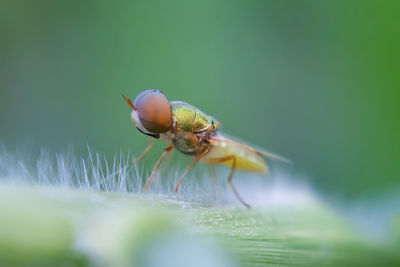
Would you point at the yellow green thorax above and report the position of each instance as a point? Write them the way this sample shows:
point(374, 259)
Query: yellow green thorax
point(190, 119)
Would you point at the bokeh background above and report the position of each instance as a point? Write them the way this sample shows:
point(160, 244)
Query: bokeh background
point(314, 81)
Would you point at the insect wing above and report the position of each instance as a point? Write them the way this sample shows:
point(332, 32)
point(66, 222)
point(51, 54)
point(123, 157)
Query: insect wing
point(262, 152)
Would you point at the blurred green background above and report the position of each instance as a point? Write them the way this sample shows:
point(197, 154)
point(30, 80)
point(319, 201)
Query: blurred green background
point(315, 81)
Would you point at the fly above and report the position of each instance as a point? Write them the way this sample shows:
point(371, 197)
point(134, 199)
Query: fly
point(194, 133)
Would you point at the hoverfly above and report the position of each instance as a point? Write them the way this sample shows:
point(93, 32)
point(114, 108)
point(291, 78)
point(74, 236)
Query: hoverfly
point(193, 133)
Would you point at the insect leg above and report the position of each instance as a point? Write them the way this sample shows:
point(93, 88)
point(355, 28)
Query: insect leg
point(168, 149)
point(233, 167)
point(135, 161)
point(196, 159)
point(167, 161)
point(212, 180)
point(231, 184)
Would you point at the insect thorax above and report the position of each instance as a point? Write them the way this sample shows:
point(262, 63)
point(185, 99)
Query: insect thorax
point(191, 128)
point(191, 143)
point(187, 118)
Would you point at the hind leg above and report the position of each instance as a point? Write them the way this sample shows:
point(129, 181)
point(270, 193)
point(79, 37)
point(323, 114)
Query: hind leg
point(233, 167)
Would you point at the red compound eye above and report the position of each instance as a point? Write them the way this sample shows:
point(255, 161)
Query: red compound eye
point(153, 111)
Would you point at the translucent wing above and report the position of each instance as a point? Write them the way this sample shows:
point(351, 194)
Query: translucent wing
point(261, 152)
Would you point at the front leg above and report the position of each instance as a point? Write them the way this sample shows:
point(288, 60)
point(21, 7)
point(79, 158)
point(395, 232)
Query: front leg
point(151, 177)
point(135, 161)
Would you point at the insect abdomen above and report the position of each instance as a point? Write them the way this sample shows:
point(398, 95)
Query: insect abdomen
point(246, 157)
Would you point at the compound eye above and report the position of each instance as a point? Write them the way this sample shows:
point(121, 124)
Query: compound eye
point(154, 111)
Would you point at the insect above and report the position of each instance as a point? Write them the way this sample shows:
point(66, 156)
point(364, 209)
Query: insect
point(194, 133)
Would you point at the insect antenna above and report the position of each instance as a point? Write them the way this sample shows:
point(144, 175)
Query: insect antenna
point(129, 102)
